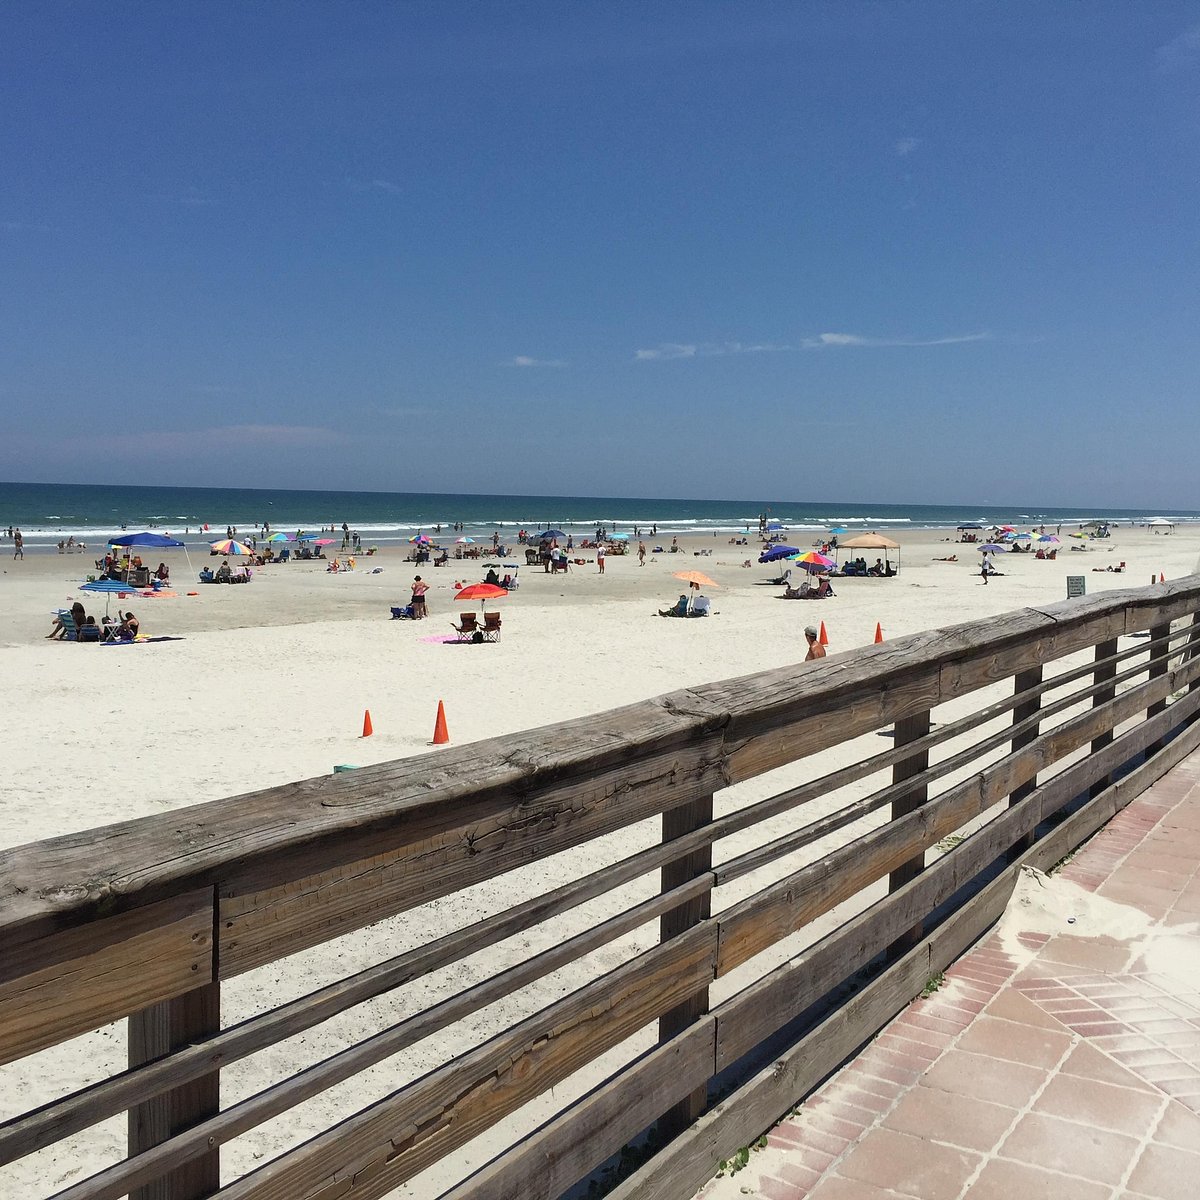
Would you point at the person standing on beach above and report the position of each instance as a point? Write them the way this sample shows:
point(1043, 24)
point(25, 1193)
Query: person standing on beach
point(600, 557)
point(815, 649)
point(19, 545)
point(419, 588)
point(641, 554)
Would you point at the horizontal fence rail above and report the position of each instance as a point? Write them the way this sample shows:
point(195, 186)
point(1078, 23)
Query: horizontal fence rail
point(667, 904)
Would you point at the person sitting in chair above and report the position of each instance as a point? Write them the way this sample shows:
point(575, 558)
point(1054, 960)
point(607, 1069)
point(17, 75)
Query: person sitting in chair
point(678, 609)
point(491, 577)
point(701, 606)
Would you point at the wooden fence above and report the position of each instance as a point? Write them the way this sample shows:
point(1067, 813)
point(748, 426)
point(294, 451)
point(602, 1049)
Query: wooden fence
point(1011, 740)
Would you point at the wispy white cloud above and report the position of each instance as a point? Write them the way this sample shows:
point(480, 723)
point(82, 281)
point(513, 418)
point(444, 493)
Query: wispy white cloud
point(669, 350)
point(1180, 52)
point(673, 350)
point(525, 360)
point(905, 146)
point(823, 340)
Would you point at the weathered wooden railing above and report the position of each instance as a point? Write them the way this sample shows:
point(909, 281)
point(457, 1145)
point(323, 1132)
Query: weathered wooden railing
point(1009, 731)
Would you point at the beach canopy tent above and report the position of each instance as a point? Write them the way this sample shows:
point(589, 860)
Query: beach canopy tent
point(970, 525)
point(871, 541)
point(146, 539)
point(161, 541)
point(777, 552)
point(1161, 523)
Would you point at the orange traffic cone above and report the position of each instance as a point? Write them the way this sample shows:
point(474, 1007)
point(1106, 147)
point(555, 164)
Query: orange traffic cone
point(878, 632)
point(823, 637)
point(367, 729)
point(441, 735)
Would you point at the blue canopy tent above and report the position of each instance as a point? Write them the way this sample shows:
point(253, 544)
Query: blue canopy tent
point(156, 540)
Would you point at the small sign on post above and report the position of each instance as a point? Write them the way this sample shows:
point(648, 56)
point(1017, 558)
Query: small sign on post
point(1076, 586)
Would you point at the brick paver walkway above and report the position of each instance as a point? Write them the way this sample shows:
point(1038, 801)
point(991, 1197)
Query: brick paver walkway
point(1051, 1064)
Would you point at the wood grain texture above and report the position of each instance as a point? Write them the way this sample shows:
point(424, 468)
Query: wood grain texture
point(269, 838)
point(683, 1167)
point(153, 1033)
point(548, 1162)
point(77, 980)
point(768, 1004)
point(376, 1150)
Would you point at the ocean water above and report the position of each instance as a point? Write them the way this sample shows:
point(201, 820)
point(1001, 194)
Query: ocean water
point(47, 512)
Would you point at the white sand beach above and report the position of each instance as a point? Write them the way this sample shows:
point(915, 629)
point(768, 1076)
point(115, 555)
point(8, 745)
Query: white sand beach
point(268, 682)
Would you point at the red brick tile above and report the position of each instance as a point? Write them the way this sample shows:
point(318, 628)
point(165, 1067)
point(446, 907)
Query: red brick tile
point(886, 1158)
point(934, 1024)
point(1178, 1127)
point(804, 1168)
point(1166, 1172)
point(851, 1114)
point(1011, 1005)
point(770, 1188)
point(834, 1126)
point(965, 1121)
point(835, 1187)
point(1091, 1029)
point(1086, 1062)
point(1002, 1179)
point(988, 1078)
point(1057, 1145)
point(1099, 1104)
point(1016, 1043)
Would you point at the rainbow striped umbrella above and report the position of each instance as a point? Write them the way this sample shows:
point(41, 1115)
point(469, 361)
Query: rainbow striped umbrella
point(229, 546)
point(814, 563)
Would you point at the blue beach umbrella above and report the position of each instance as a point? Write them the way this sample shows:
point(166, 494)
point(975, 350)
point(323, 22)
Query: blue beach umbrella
point(108, 587)
point(549, 533)
point(778, 552)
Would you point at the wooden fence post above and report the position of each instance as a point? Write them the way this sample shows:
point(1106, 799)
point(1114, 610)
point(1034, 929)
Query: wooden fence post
point(909, 729)
point(1023, 681)
point(1157, 668)
point(1104, 671)
point(156, 1031)
point(675, 823)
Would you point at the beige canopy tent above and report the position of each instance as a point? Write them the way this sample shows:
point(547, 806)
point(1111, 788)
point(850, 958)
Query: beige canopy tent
point(871, 541)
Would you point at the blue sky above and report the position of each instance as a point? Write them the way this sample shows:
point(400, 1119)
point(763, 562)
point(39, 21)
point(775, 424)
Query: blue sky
point(903, 252)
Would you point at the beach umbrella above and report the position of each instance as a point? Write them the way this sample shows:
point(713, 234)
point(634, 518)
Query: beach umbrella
point(279, 537)
point(697, 577)
point(420, 540)
point(777, 552)
point(323, 542)
point(465, 541)
point(483, 592)
point(1048, 539)
point(619, 537)
point(1022, 537)
point(839, 529)
point(554, 534)
point(229, 546)
point(814, 563)
point(970, 525)
point(774, 525)
point(993, 548)
point(109, 587)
